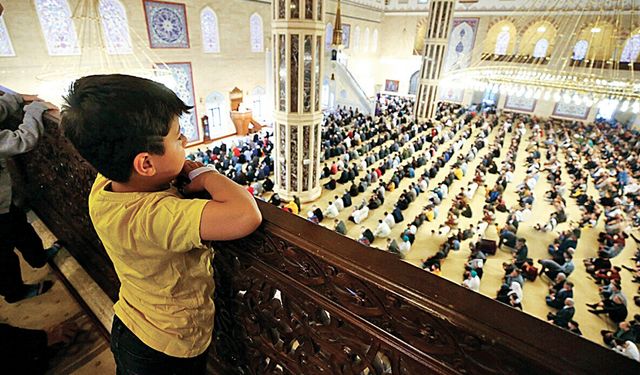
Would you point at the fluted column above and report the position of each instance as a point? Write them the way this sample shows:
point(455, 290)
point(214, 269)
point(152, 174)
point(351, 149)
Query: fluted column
point(298, 42)
point(440, 20)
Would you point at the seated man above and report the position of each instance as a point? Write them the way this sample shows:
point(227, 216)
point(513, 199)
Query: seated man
point(382, 230)
point(556, 300)
point(564, 315)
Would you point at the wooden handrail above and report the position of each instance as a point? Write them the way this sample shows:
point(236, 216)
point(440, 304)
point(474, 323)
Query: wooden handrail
point(297, 298)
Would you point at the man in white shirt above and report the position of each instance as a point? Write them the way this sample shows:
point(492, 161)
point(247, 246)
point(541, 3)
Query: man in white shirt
point(629, 349)
point(331, 211)
point(339, 203)
point(472, 281)
point(389, 220)
point(383, 230)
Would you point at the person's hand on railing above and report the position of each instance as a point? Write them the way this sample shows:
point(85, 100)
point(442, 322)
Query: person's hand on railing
point(31, 98)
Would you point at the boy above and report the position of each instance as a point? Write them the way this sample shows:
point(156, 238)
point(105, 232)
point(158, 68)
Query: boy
point(127, 128)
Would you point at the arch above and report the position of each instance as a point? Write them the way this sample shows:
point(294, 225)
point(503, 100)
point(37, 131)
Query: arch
point(421, 34)
point(538, 39)
point(413, 83)
point(580, 50)
point(6, 48)
point(374, 41)
point(540, 49)
point(501, 38)
point(631, 49)
point(329, 35)
point(601, 38)
point(57, 27)
point(365, 43)
point(115, 27)
point(210, 31)
point(256, 32)
point(356, 38)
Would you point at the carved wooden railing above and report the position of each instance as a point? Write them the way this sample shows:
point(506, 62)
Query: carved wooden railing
point(296, 298)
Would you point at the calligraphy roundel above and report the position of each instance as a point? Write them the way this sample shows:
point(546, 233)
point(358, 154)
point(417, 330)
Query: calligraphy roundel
point(167, 25)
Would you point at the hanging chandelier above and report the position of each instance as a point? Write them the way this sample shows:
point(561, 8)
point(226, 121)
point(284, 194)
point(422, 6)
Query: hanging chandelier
point(577, 51)
point(97, 51)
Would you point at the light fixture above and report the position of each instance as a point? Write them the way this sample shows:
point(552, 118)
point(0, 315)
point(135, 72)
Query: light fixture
point(596, 30)
point(542, 29)
point(505, 28)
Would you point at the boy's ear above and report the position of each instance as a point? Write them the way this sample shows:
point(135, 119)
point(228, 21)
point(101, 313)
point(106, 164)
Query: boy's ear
point(143, 165)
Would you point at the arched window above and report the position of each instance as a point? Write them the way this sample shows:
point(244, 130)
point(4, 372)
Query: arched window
point(502, 43)
point(356, 38)
point(365, 42)
point(258, 99)
point(216, 110)
point(57, 27)
point(631, 49)
point(257, 39)
point(540, 50)
point(210, 35)
point(329, 35)
point(580, 50)
point(413, 83)
point(115, 27)
point(6, 48)
point(374, 42)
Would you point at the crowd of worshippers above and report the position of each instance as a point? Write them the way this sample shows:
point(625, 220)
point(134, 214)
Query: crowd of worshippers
point(608, 156)
point(247, 161)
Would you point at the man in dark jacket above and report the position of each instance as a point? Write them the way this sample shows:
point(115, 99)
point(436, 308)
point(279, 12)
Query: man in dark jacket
point(564, 315)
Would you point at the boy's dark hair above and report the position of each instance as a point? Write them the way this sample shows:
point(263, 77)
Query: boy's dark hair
point(112, 118)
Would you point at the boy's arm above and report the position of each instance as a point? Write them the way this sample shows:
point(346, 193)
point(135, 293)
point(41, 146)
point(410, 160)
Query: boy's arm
point(231, 213)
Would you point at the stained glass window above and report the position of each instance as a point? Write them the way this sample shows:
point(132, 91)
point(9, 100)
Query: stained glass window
point(255, 28)
point(502, 43)
point(631, 49)
point(115, 27)
point(580, 50)
point(356, 38)
point(6, 48)
point(374, 41)
point(57, 27)
point(540, 50)
point(365, 42)
point(210, 35)
point(329, 34)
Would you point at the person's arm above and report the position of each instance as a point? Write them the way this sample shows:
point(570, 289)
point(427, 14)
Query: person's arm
point(26, 136)
point(231, 213)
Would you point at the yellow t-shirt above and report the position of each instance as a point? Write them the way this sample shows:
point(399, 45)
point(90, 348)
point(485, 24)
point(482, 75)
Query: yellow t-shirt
point(153, 240)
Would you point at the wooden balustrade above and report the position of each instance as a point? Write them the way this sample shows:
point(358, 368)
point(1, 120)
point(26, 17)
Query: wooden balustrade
point(296, 298)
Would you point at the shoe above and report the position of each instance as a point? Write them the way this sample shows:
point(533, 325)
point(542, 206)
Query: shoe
point(593, 312)
point(592, 305)
point(53, 250)
point(32, 290)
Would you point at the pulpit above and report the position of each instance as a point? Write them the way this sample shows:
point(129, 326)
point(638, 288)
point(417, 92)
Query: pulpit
point(241, 116)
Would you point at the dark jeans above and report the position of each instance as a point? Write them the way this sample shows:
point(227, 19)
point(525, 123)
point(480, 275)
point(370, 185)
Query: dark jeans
point(16, 232)
point(133, 357)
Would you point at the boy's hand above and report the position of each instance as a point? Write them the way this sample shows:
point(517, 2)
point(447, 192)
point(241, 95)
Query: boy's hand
point(197, 184)
point(189, 166)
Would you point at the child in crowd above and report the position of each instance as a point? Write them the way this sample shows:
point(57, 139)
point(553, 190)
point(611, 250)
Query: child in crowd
point(127, 128)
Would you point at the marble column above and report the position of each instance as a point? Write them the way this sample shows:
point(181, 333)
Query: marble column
point(439, 28)
point(298, 49)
